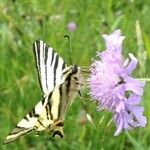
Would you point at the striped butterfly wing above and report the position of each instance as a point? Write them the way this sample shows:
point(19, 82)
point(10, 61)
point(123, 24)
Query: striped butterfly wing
point(50, 71)
point(49, 65)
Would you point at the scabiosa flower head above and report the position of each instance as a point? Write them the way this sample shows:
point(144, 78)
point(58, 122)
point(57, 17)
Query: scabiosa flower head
point(113, 87)
point(72, 26)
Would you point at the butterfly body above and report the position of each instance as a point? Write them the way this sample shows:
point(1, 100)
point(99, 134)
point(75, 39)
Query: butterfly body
point(60, 85)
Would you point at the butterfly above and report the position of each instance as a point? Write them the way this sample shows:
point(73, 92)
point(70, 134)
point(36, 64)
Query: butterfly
point(60, 85)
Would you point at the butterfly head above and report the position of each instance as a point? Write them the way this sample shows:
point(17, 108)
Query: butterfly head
point(74, 77)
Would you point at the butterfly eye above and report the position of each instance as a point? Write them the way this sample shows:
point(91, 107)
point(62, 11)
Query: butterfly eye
point(75, 69)
point(75, 78)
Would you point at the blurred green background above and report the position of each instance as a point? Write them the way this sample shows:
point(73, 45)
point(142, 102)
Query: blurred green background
point(22, 22)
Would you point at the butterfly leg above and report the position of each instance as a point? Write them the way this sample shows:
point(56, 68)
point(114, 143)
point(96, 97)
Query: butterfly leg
point(79, 92)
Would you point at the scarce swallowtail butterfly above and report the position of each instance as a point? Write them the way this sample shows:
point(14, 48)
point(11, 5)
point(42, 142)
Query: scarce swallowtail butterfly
point(60, 84)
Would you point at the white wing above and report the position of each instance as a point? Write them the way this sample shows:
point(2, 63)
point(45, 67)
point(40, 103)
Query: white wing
point(49, 65)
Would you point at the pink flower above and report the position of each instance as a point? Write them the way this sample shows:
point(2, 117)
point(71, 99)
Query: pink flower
point(113, 87)
point(72, 26)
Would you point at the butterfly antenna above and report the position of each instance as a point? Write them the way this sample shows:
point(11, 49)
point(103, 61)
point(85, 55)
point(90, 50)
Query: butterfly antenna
point(69, 45)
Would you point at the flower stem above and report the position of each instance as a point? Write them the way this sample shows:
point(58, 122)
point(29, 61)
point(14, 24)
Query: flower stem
point(144, 79)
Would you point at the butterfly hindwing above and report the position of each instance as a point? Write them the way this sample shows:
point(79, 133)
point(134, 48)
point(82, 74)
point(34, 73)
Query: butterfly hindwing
point(45, 115)
point(49, 65)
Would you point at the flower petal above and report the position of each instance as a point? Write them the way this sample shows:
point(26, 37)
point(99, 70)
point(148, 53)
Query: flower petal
point(114, 41)
point(120, 107)
point(137, 112)
point(134, 99)
point(132, 65)
point(117, 119)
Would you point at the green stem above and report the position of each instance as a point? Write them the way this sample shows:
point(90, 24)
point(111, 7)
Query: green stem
point(144, 79)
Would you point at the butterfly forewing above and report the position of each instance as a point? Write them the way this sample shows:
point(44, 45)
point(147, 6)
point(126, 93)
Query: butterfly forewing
point(49, 65)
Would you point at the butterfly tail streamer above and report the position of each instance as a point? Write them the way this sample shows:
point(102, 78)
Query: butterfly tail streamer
point(28, 123)
point(16, 133)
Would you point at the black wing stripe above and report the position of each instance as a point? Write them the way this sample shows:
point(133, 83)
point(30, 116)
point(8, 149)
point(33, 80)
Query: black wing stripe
point(37, 44)
point(40, 123)
point(60, 103)
point(49, 105)
point(36, 47)
point(43, 101)
point(33, 114)
point(52, 57)
point(47, 112)
point(17, 130)
point(45, 59)
point(38, 54)
point(26, 118)
point(30, 114)
point(63, 66)
point(55, 68)
point(45, 62)
point(46, 53)
point(68, 82)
